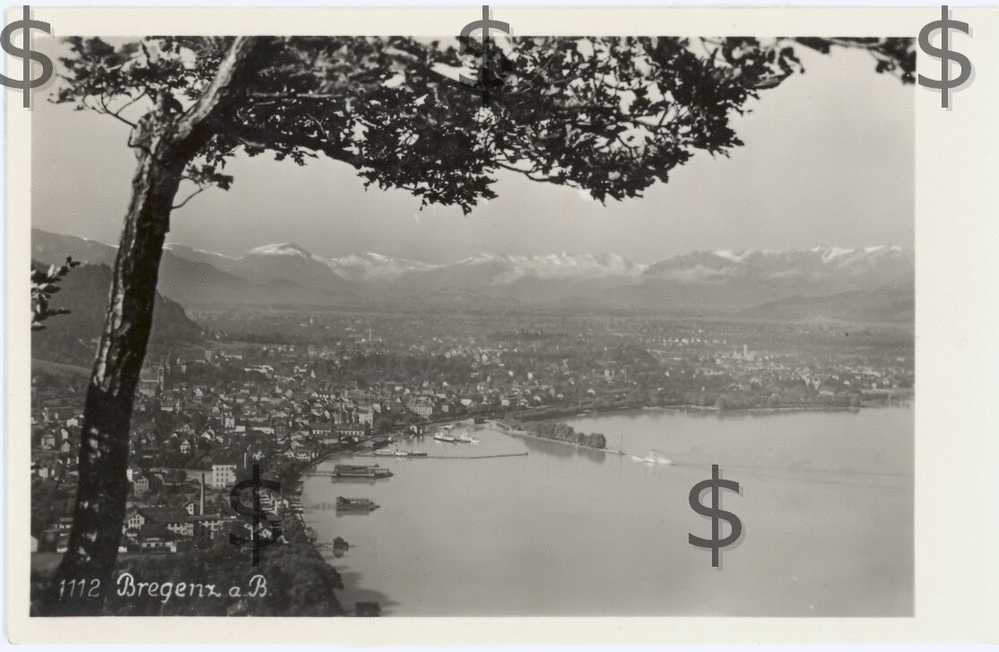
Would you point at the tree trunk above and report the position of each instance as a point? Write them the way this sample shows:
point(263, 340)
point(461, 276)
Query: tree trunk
point(104, 439)
point(167, 145)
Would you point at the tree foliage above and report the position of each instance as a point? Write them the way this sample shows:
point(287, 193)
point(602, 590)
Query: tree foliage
point(45, 283)
point(609, 115)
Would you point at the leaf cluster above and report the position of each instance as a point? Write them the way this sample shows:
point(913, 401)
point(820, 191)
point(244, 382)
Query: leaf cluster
point(44, 284)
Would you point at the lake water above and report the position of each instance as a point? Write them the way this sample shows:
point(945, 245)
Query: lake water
point(826, 505)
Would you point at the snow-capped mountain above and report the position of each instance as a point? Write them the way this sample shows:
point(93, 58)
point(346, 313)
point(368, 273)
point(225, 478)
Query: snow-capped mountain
point(375, 267)
point(553, 266)
point(285, 262)
point(283, 249)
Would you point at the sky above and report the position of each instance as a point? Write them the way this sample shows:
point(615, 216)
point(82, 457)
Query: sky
point(828, 160)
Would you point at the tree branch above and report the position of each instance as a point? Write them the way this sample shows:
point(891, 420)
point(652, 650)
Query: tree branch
point(114, 114)
point(200, 190)
point(192, 130)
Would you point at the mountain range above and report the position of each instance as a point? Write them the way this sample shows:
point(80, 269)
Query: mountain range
point(703, 281)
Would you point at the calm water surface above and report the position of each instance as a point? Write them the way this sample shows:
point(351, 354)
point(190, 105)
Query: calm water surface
point(826, 506)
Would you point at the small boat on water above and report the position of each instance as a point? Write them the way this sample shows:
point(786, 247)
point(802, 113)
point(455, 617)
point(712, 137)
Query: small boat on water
point(399, 453)
point(344, 504)
point(385, 452)
point(445, 438)
point(465, 439)
point(360, 471)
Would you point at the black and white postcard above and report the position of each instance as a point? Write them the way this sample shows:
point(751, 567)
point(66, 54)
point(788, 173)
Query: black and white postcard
point(488, 317)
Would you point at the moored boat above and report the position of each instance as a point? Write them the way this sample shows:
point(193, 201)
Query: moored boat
point(360, 471)
point(345, 504)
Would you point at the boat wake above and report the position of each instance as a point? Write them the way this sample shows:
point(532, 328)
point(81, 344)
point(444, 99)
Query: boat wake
point(654, 458)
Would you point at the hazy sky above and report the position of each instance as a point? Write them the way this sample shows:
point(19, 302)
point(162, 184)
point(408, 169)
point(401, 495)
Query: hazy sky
point(828, 159)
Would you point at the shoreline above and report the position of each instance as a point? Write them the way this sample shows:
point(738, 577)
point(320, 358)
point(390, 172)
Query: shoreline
point(566, 415)
point(295, 495)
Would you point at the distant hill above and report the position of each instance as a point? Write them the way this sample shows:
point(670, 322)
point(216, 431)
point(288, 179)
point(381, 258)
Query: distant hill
point(187, 278)
point(735, 280)
point(72, 339)
point(701, 282)
point(884, 305)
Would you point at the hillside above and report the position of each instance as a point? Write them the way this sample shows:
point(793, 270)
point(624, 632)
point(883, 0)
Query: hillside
point(194, 278)
point(884, 305)
point(72, 339)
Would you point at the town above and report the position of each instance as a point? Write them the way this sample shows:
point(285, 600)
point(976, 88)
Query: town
point(283, 390)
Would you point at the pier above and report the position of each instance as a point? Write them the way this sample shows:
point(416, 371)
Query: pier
point(426, 457)
point(472, 457)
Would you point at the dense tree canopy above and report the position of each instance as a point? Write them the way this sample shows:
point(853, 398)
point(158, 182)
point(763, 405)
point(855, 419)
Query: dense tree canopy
point(611, 115)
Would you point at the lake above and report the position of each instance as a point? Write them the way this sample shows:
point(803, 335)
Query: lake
point(826, 503)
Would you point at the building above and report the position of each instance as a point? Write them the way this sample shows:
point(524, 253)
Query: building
point(352, 431)
point(155, 537)
point(421, 407)
point(134, 519)
point(223, 475)
point(140, 484)
point(210, 525)
point(175, 521)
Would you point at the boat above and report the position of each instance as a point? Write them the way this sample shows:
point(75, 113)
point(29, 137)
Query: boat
point(465, 439)
point(445, 438)
point(399, 453)
point(385, 452)
point(344, 504)
point(360, 471)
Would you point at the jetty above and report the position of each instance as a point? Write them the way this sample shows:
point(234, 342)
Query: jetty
point(448, 457)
